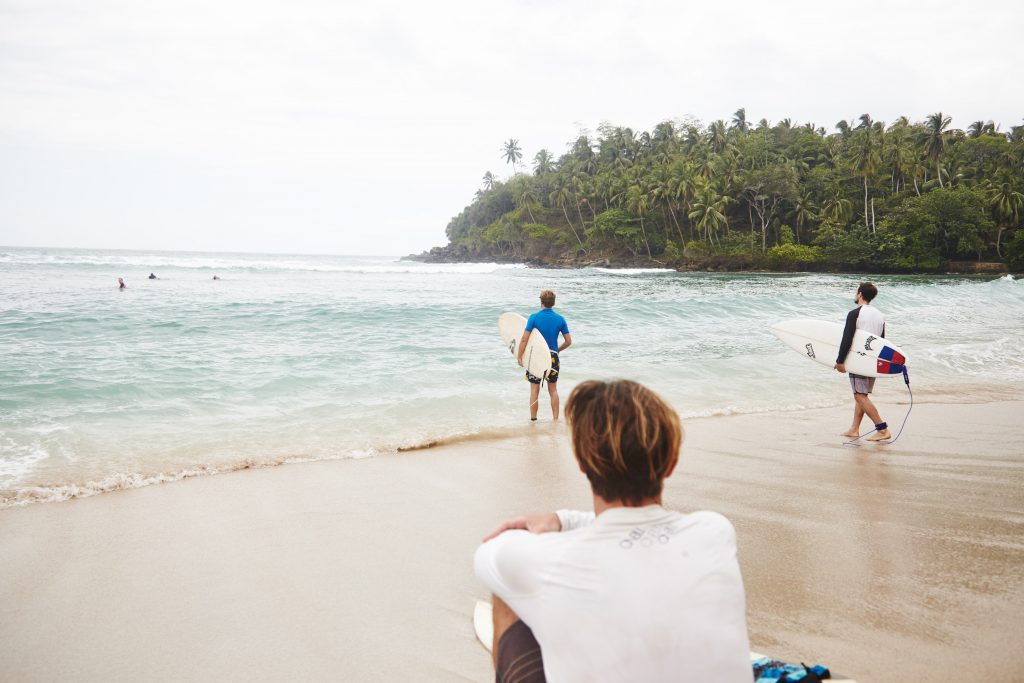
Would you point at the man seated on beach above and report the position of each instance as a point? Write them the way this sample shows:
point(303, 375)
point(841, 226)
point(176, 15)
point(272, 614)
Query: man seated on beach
point(864, 317)
point(550, 324)
point(631, 591)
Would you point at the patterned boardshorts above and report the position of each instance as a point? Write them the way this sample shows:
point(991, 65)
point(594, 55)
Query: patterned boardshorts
point(552, 376)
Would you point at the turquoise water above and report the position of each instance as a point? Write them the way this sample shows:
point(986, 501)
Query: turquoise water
point(311, 357)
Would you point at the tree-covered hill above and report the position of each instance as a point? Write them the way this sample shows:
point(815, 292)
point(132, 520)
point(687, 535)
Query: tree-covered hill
point(903, 197)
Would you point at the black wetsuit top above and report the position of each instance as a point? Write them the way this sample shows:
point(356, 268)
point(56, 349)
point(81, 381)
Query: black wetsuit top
point(848, 332)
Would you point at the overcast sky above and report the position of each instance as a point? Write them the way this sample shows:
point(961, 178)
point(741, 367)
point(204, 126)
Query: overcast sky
point(362, 127)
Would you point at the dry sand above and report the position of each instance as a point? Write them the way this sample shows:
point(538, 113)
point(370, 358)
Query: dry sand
point(889, 563)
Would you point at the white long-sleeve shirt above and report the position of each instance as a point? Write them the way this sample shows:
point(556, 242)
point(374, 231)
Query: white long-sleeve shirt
point(637, 594)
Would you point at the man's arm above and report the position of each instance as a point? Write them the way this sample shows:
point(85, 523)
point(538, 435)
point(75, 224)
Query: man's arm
point(566, 342)
point(522, 346)
point(847, 342)
point(535, 524)
point(562, 520)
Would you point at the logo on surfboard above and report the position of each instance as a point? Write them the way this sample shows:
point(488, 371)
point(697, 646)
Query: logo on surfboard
point(867, 344)
point(810, 350)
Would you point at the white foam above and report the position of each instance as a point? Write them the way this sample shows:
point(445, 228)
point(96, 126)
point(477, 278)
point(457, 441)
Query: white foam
point(226, 262)
point(759, 410)
point(633, 271)
point(25, 495)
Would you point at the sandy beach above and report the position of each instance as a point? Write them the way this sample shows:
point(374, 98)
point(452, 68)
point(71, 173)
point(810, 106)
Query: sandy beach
point(887, 563)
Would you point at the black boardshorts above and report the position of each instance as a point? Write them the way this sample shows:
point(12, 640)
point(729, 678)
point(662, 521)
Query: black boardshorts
point(552, 376)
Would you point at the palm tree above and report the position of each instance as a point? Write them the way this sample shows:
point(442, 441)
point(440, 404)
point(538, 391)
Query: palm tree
point(837, 207)
point(684, 185)
point(527, 197)
point(1007, 205)
point(662, 192)
point(865, 162)
point(935, 139)
point(803, 211)
point(489, 180)
point(639, 202)
point(578, 182)
point(560, 197)
point(739, 120)
point(543, 163)
point(717, 137)
point(898, 153)
point(512, 153)
point(664, 142)
point(979, 128)
point(708, 212)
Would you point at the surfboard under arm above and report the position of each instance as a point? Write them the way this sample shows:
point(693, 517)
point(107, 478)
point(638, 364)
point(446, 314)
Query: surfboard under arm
point(536, 355)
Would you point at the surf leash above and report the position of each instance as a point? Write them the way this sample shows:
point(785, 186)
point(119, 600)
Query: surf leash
point(906, 380)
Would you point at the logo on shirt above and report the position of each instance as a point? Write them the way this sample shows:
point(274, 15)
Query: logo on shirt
point(646, 537)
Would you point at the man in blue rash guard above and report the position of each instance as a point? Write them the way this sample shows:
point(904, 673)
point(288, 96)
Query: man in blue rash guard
point(864, 317)
point(550, 324)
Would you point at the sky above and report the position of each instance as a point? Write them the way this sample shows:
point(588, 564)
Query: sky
point(340, 127)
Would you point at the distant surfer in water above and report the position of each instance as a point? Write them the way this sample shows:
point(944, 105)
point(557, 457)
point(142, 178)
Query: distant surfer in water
point(550, 324)
point(121, 284)
point(152, 276)
point(631, 591)
point(868, 318)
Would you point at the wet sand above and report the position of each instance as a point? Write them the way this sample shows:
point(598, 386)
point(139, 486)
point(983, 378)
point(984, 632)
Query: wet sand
point(888, 563)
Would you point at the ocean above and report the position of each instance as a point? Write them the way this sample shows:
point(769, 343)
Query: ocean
point(289, 358)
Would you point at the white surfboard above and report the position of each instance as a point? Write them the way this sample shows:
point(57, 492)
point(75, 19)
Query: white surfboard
point(870, 355)
point(483, 624)
point(537, 356)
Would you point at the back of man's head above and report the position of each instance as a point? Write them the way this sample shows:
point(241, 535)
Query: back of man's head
point(625, 437)
point(868, 291)
point(547, 298)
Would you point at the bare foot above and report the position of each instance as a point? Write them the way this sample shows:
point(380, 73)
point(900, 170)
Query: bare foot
point(883, 435)
point(851, 434)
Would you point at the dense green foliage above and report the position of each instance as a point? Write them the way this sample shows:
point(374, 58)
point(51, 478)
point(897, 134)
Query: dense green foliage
point(903, 197)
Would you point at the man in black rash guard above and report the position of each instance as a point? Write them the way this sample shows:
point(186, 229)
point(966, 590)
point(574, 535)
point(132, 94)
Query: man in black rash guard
point(864, 317)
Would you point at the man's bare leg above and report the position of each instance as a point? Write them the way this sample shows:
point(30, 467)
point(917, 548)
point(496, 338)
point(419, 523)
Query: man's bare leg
point(869, 408)
point(858, 417)
point(553, 393)
point(502, 617)
point(534, 400)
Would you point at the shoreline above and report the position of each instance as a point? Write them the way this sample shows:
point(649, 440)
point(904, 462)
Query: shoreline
point(449, 254)
point(886, 562)
point(114, 482)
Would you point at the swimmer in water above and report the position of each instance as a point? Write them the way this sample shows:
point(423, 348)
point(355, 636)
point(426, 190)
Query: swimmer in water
point(120, 281)
point(215, 277)
point(152, 276)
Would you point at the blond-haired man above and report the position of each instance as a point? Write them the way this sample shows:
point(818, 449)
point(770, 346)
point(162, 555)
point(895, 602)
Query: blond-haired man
point(631, 591)
point(550, 325)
